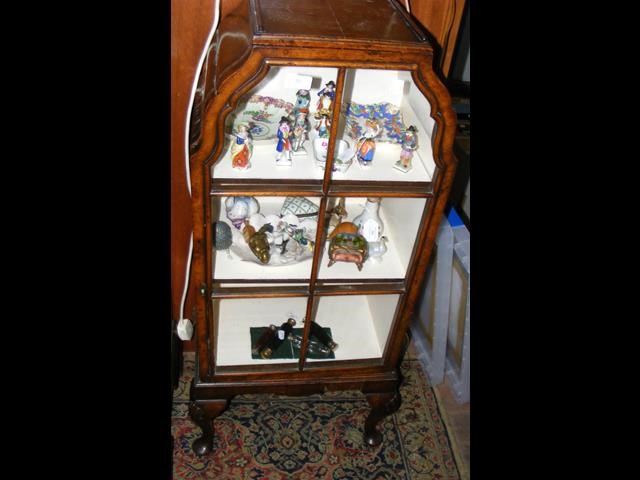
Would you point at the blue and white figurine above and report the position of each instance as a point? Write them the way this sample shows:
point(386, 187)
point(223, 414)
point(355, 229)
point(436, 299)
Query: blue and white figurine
point(283, 148)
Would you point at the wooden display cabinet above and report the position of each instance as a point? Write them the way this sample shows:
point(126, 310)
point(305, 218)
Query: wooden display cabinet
point(381, 64)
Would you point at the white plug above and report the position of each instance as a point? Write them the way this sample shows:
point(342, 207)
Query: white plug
point(185, 329)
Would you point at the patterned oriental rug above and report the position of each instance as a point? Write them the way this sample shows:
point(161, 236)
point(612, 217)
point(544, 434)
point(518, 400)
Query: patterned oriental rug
point(317, 437)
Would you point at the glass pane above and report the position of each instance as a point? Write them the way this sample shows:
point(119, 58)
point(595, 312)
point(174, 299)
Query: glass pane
point(263, 238)
point(359, 324)
point(242, 322)
point(385, 128)
point(270, 133)
point(388, 227)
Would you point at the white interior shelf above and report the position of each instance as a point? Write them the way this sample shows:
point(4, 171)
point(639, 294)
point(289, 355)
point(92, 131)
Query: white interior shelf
point(361, 329)
point(236, 317)
point(362, 326)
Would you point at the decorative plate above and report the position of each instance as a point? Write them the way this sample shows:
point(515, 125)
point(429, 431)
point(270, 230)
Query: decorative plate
point(262, 114)
point(388, 116)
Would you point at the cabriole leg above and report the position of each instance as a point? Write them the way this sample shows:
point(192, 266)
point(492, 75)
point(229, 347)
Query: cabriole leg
point(382, 405)
point(203, 413)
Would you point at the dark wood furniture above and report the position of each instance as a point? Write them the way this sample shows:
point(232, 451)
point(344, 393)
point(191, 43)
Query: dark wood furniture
point(376, 54)
point(191, 23)
point(442, 19)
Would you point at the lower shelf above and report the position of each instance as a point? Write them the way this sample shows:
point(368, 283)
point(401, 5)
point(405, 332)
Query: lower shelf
point(360, 324)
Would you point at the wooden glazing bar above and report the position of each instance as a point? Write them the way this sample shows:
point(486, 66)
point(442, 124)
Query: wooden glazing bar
point(331, 365)
point(267, 190)
point(335, 120)
point(325, 282)
point(256, 367)
point(372, 190)
point(272, 372)
point(259, 292)
point(315, 266)
point(368, 289)
point(218, 281)
point(297, 182)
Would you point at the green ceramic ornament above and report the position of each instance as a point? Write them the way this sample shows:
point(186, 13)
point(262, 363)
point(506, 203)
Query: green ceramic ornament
point(222, 236)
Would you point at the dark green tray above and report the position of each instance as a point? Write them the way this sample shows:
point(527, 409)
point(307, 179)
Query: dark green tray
point(286, 349)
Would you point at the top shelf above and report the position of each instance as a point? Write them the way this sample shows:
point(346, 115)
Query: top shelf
point(388, 98)
point(380, 20)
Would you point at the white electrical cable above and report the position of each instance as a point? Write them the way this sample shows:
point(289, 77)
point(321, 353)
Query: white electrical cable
point(185, 327)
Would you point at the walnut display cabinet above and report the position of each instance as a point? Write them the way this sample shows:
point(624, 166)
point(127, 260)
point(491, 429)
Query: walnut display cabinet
point(377, 62)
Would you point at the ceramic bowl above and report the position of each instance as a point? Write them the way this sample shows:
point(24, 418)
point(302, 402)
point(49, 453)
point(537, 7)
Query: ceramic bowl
point(342, 158)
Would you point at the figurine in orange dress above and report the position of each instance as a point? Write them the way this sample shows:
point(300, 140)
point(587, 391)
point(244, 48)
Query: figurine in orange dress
point(366, 146)
point(242, 148)
point(327, 96)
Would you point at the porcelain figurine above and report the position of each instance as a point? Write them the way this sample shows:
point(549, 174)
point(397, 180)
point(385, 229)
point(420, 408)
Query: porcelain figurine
point(279, 236)
point(323, 125)
point(327, 96)
point(366, 146)
point(369, 223)
point(242, 148)
point(239, 208)
point(409, 145)
point(378, 249)
point(283, 156)
point(300, 122)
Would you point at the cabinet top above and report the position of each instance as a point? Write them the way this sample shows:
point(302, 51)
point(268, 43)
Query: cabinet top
point(376, 20)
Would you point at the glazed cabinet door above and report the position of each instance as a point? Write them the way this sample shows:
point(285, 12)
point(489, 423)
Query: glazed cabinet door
point(279, 120)
point(313, 248)
point(385, 133)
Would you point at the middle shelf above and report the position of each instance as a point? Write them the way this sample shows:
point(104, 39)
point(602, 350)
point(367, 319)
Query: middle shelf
point(287, 241)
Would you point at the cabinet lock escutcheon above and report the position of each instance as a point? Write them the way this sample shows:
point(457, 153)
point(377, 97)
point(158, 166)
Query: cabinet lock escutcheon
point(203, 289)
